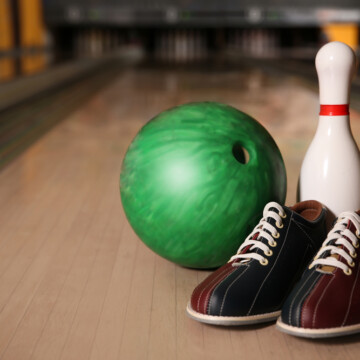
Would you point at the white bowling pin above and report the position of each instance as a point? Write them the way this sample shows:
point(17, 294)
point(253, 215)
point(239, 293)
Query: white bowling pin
point(330, 172)
point(190, 46)
point(182, 46)
point(93, 42)
point(171, 46)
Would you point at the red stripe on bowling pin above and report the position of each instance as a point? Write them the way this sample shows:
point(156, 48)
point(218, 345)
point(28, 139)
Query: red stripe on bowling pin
point(334, 110)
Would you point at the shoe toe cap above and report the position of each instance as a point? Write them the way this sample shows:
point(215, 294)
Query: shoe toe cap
point(204, 292)
point(295, 310)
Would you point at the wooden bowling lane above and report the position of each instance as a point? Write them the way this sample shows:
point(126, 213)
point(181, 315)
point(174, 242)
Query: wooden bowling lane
point(30, 106)
point(76, 283)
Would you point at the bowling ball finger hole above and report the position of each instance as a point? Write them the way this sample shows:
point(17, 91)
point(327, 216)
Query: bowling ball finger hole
point(240, 153)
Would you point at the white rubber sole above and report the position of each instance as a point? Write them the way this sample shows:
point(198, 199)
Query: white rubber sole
point(317, 333)
point(231, 320)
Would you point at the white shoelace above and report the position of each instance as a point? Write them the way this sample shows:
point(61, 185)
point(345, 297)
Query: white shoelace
point(340, 241)
point(263, 230)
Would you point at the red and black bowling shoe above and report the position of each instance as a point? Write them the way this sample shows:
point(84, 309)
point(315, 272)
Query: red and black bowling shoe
point(326, 302)
point(254, 284)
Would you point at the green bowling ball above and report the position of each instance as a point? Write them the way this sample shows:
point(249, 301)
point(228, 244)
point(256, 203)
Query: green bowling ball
point(195, 180)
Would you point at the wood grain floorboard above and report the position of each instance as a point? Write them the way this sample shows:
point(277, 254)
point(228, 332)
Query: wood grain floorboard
point(76, 282)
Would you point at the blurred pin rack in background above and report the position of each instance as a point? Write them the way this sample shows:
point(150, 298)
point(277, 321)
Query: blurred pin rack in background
point(37, 34)
point(47, 46)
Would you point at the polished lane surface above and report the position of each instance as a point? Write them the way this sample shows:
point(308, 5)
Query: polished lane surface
point(76, 283)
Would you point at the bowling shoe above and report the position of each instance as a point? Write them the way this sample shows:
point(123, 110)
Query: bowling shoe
point(326, 301)
point(253, 285)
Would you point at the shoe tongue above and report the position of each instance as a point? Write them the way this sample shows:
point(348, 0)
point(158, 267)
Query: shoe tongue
point(274, 209)
point(255, 237)
point(329, 268)
point(351, 226)
point(269, 219)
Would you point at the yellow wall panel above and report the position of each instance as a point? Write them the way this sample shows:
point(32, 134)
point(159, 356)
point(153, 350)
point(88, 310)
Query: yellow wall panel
point(347, 33)
point(7, 66)
point(32, 34)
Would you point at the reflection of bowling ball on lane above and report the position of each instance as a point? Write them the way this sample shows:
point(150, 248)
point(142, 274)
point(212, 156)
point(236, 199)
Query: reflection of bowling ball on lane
point(195, 179)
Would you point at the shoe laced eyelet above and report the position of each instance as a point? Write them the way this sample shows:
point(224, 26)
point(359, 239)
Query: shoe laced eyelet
point(268, 253)
point(353, 255)
point(264, 262)
point(273, 243)
point(283, 215)
point(356, 246)
point(279, 225)
point(357, 234)
point(352, 264)
point(276, 236)
point(348, 271)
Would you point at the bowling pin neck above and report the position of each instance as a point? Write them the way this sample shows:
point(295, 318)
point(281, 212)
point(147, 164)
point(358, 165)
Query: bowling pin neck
point(330, 127)
point(335, 65)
